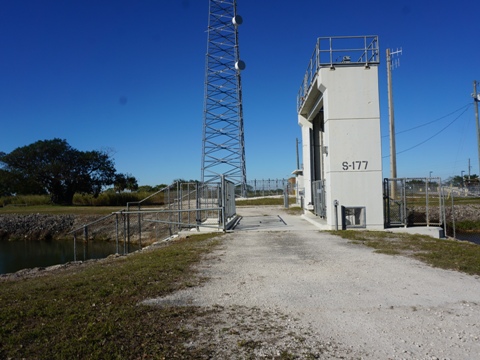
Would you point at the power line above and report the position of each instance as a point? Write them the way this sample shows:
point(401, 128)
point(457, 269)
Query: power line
point(431, 122)
point(434, 135)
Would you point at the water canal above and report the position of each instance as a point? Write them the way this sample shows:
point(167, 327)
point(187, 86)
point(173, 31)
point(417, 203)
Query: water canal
point(18, 255)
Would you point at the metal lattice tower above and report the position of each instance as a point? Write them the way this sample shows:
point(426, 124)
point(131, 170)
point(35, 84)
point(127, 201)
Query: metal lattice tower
point(223, 151)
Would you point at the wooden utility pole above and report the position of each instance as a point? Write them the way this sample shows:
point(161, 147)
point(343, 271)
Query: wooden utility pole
point(391, 117)
point(476, 98)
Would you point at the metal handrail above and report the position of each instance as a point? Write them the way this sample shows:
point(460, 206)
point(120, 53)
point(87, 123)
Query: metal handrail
point(369, 54)
point(92, 223)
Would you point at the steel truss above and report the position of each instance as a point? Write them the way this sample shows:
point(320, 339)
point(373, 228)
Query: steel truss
point(223, 150)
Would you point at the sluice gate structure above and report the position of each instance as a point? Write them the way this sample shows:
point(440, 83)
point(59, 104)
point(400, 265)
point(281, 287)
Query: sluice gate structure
point(339, 114)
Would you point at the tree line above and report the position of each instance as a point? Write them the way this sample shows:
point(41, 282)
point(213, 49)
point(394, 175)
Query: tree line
point(55, 168)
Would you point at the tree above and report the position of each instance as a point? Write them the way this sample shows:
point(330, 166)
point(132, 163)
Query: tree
point(54, 167)
point(125, 181)
point(456, 180)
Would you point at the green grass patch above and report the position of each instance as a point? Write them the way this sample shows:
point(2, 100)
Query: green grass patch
point(467, 225)
point(446, 254)
point(464, 200)
point(92, 312)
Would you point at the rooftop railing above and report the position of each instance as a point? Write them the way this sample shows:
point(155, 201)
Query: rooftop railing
point(338, 51)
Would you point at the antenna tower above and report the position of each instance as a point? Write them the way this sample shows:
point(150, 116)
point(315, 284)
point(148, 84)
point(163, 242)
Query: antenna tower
point(223, 150)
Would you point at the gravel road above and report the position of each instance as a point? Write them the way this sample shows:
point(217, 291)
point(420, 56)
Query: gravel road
point(279, 288)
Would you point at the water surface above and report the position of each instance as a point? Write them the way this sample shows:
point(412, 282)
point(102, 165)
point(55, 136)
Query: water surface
point(18, 255)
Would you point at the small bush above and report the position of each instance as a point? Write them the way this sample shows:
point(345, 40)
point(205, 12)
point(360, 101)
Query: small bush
point(25, 200)
point(116, 199)
point(104, 199)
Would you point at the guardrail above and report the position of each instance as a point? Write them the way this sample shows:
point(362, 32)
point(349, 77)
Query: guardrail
point(186, 206)
point(338, 51)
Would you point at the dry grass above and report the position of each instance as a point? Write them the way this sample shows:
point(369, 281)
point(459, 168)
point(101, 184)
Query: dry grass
point(447, 254)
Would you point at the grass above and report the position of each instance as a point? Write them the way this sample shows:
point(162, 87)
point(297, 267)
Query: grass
point(466, 225)
point(446, 254)
point(92, 312)
point(463, 201)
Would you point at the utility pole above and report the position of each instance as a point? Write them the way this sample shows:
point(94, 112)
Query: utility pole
point(391, 117)
point(476, 99)
point(393, 151)
point(469, 168)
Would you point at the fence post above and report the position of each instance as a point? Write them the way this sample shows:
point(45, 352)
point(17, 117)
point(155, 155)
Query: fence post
point(124, 233)
point(116, 232)
point(74, 246)
point(453, 218)
point(197, 205)
point(169, 214)
point(179, 201)
point(85, 245)
point(426, 202)
point(404, 202)
point(128, 224)
point(223, 202)
point(285, 197)
point(139, 217)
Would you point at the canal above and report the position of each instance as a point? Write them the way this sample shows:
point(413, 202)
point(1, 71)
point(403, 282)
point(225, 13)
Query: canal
point(17, 255)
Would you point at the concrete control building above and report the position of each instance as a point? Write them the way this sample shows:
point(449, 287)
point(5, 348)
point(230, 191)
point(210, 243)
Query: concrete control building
point(339, 115)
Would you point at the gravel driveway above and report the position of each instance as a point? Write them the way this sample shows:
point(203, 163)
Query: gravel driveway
point(279, 288)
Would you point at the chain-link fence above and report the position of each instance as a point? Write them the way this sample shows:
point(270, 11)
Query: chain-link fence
point(464, 191)
point(319, 200)
point(266, 187)
point(182, 206)
point(414, 202)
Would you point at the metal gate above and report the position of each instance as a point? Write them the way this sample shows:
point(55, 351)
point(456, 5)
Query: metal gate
point(319, 201)
point(184, 206)
point(413, 202)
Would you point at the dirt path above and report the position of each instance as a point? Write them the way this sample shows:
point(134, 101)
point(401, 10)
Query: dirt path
point(286, 289)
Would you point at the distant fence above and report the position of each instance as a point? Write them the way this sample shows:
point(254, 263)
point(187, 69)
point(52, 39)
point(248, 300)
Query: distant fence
point(463, 191)
point(267, 187)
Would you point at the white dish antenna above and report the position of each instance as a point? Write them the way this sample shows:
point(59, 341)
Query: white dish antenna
point(237, 20)
point(240, 65)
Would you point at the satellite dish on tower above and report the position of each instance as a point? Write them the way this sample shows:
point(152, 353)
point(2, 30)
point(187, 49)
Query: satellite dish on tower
point(240, 65)
point(237, 20)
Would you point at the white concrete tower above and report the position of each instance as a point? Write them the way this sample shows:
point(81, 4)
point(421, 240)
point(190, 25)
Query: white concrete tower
point(339, 114)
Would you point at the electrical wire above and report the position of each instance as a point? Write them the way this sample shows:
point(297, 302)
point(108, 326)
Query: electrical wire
point(434, 135)
point(431, 122)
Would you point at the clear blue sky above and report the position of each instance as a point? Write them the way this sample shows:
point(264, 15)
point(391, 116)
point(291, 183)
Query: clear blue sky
point(127, 75)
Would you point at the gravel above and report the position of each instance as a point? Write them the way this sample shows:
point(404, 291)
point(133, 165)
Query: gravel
point(279, 288)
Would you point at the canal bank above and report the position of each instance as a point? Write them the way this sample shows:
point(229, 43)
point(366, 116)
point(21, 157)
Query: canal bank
point(41, 240)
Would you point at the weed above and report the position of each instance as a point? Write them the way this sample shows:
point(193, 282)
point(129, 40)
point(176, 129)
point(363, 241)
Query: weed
point(93, 312)
point(447, 254)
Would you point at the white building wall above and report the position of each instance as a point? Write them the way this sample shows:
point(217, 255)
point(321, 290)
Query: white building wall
point(353, 163)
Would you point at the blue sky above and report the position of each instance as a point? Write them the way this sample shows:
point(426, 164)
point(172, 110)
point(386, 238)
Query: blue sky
point(128, 76)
